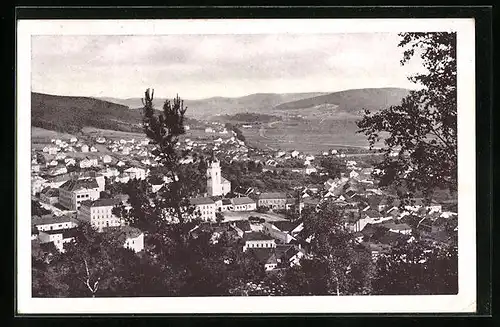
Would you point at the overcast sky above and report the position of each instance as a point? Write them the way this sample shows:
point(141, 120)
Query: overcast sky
point(200, 66)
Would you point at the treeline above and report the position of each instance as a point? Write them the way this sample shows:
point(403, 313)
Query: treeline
point(251, 117)
point(239, 133)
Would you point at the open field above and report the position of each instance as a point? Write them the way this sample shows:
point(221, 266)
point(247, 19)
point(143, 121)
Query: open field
point(310, 136)
point(43, 136)
point(111, 134)
point(244, 215)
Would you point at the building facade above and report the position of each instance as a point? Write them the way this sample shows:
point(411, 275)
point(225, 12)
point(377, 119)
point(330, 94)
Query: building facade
point(273, 201)
point(99, 213)
point(73, 192)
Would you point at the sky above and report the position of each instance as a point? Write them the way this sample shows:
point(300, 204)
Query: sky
point(202, 66)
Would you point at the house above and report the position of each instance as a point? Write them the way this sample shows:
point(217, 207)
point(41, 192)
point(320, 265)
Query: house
point(51, 222)
point(209, 130)
point(87, 163)
point(120, 163)
point(69, 162)
point(295, 153)
point(107, 159)
point(35, 168)
point(243, 204)
point(58, 237)
point(52, 150)
point(136, 173)
point(134, 238)
point(265, 256)
point(122, 178)
point(84, 148)
point(49, 195)
point(241, 227)
point(310, 169)
point(282, 230)
point(257, 240)
point(52, 163)
point(93, 149)
point(353, 174)
point(58, 170)
point(272, 200)
point(367, 217)
point(99, 213)
point(397, 228)
point(73, 140)
point(205, 207)
point(60, 156)
point(101, 140)
point(75, 191)
point(216, 184)
point(288, 255)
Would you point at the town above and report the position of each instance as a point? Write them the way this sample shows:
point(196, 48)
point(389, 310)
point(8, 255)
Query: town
point(256, 195)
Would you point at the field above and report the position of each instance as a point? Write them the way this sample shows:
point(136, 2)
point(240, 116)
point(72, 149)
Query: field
point(43, 136)
point(310, 136)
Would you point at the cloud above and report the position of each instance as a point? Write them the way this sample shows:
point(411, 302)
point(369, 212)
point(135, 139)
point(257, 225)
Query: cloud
point(215, 65)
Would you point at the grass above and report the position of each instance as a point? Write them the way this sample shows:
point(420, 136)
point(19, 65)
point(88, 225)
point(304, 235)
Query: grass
point(306, 136)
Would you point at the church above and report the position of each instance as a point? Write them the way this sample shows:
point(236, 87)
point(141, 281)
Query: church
point(216, 184)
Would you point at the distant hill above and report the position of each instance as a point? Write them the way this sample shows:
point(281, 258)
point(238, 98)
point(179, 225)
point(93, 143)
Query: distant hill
point(351, 101)
point(70, 114)
point(205, 108)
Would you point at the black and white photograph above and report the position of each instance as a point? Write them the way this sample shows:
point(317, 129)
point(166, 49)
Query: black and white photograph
point(246, 166)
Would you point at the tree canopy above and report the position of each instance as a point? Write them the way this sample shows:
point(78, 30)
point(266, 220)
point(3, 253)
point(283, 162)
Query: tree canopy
point(420, 134)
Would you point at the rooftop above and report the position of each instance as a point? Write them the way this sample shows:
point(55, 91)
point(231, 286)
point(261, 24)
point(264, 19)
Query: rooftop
point(201, 201)
point(243, 200)
point(257, 236)
point(51, 219)
point(79, 184)
point(101, 203)
point(275, 195)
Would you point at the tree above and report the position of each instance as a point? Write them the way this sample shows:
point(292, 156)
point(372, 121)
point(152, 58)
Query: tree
point(422, 130)
point(416, 268)
point(219, 216)
point(336, 265)
point(37, 209)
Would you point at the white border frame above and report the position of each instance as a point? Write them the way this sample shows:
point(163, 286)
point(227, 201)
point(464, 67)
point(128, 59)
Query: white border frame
point(465, 301)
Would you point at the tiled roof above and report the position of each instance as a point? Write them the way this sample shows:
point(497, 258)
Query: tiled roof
point(243, 200)
point(101, 203)
point(264, 256)
point(78, 184)
point(272, 196)
point(257, 236)
point(50, 192)
point(201, 201)
point(51, 219)
point(285, 226)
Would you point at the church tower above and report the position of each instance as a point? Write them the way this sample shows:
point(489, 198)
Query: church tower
point(214, 179)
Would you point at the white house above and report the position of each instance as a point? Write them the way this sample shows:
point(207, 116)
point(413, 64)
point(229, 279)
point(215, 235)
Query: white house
point(136, 173)
point(73, 140)
point(244, 204)
point(310, 169)
point(106, 159)
point(295, 153)
point(258, 240)
point(93, 149)
point(134, 239)
point(120, 163)
point(99, 213)
point(209, 130)
point(205, 207)
point(84, 148)
point(51, 222)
